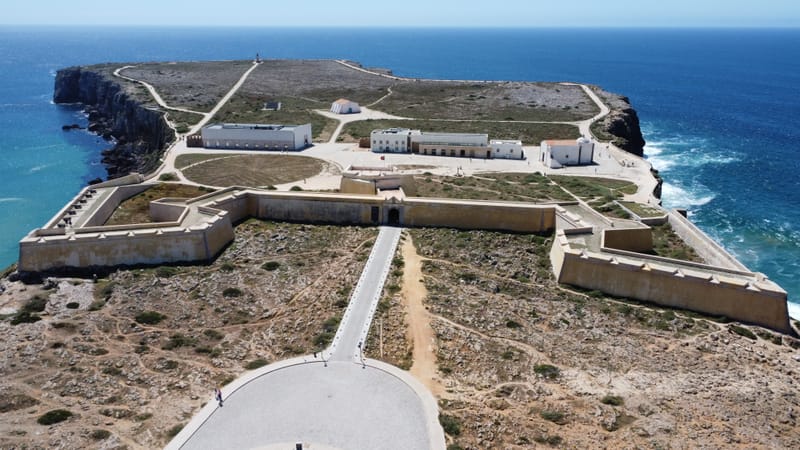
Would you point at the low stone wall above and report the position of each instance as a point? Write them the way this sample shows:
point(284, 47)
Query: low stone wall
point(718, 294)
point(356, 186)
point(631, 239)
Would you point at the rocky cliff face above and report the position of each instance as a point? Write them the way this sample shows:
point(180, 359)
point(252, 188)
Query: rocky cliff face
point(140, 134)
point(623, 123)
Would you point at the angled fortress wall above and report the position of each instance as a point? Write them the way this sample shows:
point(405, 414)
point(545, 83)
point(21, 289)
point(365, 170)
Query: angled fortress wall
point(740, 296)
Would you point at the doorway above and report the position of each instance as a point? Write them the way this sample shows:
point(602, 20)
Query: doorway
point(394, 216)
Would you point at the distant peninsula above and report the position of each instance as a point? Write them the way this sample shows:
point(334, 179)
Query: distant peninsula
point(141, 129)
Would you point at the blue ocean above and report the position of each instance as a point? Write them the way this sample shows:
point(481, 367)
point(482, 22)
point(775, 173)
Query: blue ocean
point(720, 108)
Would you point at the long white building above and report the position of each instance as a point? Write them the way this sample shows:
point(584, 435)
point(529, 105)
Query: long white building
point(256, 136)
point(560, 153)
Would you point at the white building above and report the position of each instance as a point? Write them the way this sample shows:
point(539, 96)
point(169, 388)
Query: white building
point(451, 144)
point(560, 153)
point(345, 106)
point(393, 140)
point(502, 149)
point(256, 136)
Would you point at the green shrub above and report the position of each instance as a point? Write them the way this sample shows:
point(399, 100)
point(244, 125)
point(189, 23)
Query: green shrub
point(172, 432)
point(323, 339)
point(742, 331)
point(232, 292)
point(97, 305)
point(73, 305)
point(213, 334)
point(295, 188)
point(553, 416)
point(24, 317)
point(227, 267)
point(169, 176)
point(149, 317)
point(35, 304)
point(179, 340)
point(612, 400)
point(256, 363)
point(331, 324)
point(166, 271)
point(450, 424)
point(99, 435)
point(271, 265)
point(547, 371)
point(54, 416)
point(513, 324)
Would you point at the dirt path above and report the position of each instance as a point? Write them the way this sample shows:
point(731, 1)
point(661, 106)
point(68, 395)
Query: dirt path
point(419, 327)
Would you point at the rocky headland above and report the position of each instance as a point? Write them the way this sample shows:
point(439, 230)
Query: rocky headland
point(139, 134)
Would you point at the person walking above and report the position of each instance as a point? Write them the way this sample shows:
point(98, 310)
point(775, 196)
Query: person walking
point(218, 396)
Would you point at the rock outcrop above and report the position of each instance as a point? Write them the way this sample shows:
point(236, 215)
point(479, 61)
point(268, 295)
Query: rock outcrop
point(140, 134)
point(621, 125)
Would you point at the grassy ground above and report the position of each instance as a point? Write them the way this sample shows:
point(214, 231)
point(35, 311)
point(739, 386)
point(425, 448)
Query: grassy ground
point(248, 108)
point(137, 208)
point(492, 186)
point(192, 85)
point(599, 193)
point(669, 245)
point(180, 117)
point(255, 170)
point(528, 133)
point(643, 210)
point(496, 101)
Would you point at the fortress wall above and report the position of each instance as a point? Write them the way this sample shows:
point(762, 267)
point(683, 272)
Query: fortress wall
point(355, 186)
point(630, 239)
point(690, 289)
point(310, 209)
point(166, 212)
point(488, 216)
point(119, 194)
point(709, 250)
point(217, 233)
point(127, 247)
point(238, 205)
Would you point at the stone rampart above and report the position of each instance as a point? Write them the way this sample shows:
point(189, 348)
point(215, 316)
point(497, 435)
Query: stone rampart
point(709, 250)
point(747, 298)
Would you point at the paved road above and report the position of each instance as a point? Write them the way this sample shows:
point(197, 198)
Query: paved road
point(364, 299)
point(341, 406)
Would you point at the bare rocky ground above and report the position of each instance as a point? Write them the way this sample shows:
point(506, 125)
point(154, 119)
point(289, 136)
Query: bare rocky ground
point(528, 364)
point(131, 382)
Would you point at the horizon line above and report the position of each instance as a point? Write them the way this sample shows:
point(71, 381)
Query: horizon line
point(424, 27)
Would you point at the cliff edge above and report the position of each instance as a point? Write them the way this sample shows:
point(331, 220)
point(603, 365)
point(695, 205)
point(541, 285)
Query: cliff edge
point(621, 125)
point(140, 134)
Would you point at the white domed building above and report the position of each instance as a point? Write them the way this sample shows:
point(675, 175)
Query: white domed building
point(559, 153)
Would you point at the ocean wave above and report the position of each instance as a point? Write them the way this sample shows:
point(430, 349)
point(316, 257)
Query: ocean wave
point(10, 199)
point(675, 196)
point(39, 168)
point(794, 310)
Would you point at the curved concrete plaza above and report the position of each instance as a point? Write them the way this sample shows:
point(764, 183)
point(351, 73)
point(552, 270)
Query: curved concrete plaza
point(341, 405)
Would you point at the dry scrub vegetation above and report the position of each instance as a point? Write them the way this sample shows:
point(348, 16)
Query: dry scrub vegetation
point(527, 363)
point(135, 355)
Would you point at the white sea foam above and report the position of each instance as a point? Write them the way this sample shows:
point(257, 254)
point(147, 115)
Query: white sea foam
point(794, 310)
point(10, 199)
point(35, 169)
point(675, 196)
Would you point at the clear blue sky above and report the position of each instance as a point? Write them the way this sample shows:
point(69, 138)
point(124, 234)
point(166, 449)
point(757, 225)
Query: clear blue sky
point(404, 13)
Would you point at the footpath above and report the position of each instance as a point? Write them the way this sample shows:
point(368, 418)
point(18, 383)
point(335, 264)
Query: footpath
point(333, 400)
